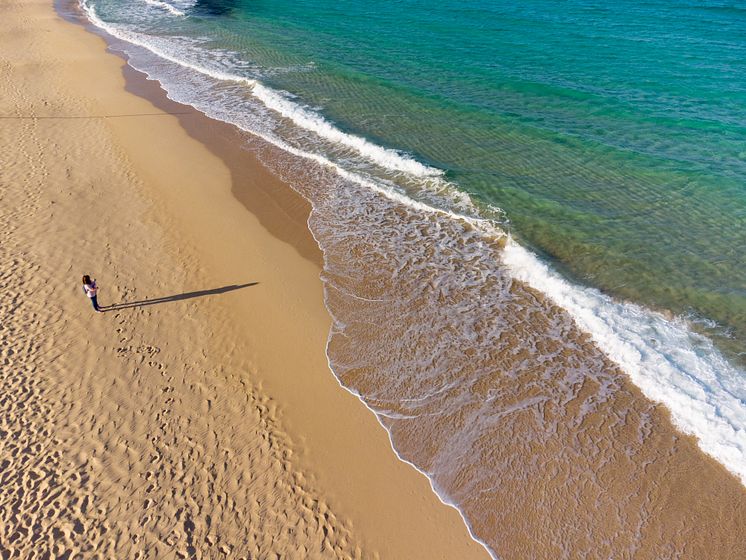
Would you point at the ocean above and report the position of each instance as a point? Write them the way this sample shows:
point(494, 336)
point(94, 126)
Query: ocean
point(522, 207)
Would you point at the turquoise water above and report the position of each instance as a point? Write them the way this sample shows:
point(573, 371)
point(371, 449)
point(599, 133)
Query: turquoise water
point(612, 136)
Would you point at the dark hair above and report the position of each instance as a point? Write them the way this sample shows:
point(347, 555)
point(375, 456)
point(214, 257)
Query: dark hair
point(86, 279)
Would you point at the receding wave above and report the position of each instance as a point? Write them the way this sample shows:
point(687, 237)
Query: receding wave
point(705, 394)
point(278, 102)
point(387, 159)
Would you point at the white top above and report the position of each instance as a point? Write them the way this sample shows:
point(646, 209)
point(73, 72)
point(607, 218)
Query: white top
point(90, 289)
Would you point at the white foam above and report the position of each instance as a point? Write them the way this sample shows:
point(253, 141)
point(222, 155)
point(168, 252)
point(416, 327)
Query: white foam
point(165, 6)
point(389, 159)
point(680, 369)
point(141, 41)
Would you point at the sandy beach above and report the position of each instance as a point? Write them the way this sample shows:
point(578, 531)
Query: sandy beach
point(197, 417)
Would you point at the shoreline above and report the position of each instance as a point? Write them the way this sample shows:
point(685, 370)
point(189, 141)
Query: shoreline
point(283, 203)
point(323, 440)
point(217, 141)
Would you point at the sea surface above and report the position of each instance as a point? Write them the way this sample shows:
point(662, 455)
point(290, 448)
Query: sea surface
point(521, 205)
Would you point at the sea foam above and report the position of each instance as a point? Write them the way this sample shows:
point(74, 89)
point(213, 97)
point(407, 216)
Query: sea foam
point(668, 362)
point(173, 10)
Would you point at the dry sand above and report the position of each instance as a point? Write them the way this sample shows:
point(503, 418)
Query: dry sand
point(198, 418)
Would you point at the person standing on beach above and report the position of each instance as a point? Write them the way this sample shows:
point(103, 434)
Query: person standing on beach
point(91, 290)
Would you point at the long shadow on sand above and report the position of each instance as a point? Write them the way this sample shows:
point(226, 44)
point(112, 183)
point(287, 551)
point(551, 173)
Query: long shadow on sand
point(177, 297)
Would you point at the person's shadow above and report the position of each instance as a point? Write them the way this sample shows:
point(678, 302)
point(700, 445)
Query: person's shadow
point(177, 297)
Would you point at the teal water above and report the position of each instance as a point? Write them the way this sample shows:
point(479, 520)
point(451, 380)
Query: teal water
point(613, 136)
